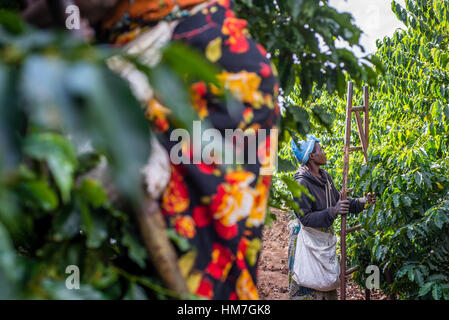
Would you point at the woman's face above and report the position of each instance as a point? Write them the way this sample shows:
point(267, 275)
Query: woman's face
point(319, 156)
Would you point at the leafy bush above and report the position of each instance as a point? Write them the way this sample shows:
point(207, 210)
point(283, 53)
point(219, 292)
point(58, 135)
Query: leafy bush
point(56, 94)
point(63, 113)
point(301, 36)
point(407, 233)
point(292, 32)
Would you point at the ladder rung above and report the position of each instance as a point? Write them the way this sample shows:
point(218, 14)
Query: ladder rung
point(350, 271)
point(358, 108)
point(355, 228)
point(355, 149)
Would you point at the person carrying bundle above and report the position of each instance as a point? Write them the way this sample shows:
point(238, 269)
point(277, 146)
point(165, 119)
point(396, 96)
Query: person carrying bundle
point(316, 222)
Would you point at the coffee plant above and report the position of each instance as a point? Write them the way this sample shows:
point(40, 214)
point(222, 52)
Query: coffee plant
point(406, 232)
point(64, 114)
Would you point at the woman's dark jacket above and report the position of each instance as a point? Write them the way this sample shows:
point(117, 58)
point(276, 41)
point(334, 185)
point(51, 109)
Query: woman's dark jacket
point(316, 214)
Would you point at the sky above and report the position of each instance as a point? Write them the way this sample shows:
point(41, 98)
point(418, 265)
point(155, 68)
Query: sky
point(373, 17)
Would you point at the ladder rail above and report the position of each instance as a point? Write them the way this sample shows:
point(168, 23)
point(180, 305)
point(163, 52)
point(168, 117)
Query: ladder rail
point(363, 130)
point(366, 105)
point(344, 193)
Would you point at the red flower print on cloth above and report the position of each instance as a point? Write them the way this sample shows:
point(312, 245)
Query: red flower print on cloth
point(205, 168)
point(265, 70)
point(176, 196)
point(201, 216)
point(226, 232)
point(241, 251)
point(221, 262)
point(236, 30)
point(198, 91)
point(205, 289)
point(261, 49)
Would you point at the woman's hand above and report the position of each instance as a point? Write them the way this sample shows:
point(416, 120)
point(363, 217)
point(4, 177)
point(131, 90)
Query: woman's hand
point(371, 197)
point(342, 207)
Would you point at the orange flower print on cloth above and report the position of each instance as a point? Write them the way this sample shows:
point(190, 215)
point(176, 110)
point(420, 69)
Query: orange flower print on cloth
point(224, 3)
point(236, 30)
point(221, 262)
point(176, 196)
point(157, 114)
point(246, 289)
point(198, 92)
point(143, 11)
point(248, 115)
point(185, 226)
point(127, 37)
point(243, 85)
point(234, 199)
point(257, 216)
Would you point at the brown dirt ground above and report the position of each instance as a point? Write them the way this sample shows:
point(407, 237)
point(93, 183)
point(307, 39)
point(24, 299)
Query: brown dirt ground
point(273, 269)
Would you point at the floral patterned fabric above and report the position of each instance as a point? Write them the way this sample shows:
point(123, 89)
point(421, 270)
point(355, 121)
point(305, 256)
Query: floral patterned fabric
point(130, 17)
point(221, 211)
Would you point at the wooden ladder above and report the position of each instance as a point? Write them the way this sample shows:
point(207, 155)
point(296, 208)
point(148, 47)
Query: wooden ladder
point(364, 140)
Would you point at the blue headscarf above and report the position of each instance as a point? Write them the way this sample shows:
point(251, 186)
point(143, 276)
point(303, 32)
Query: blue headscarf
point(305, 149)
